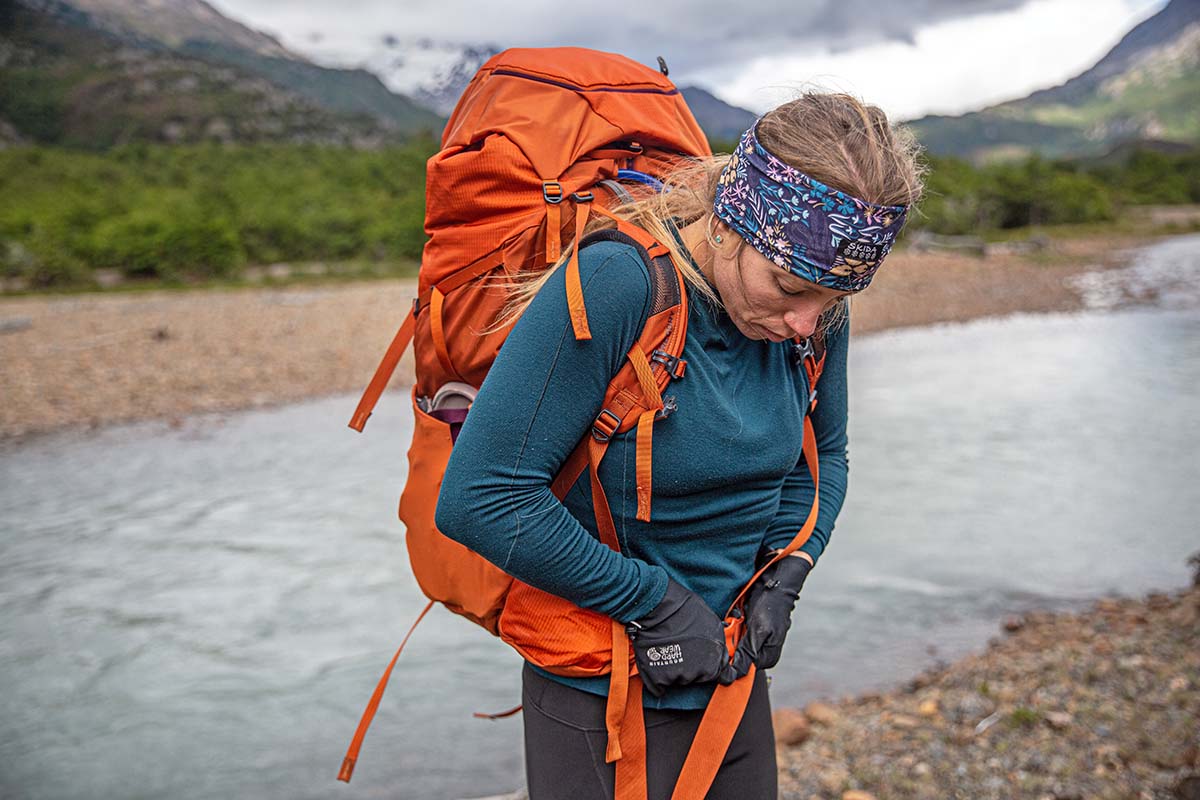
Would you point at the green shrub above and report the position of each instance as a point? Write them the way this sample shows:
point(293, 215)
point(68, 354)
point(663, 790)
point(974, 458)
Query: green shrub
point(153, 244)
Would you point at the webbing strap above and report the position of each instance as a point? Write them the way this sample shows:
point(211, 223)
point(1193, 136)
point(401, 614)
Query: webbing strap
point(618, 681)
point(631, 782)
point(369, 714)
point(579, 320)
point(645, 429)
point(717, 727)
point(553, 226)
point(644, 461)
point(383, 373)
point(497, 714)
point(438, 331)
point(618, 694)
point(645, 375)
point(572, 468)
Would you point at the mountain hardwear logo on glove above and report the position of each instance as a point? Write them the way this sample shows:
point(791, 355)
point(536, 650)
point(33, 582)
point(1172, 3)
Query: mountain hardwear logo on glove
point(667, 654)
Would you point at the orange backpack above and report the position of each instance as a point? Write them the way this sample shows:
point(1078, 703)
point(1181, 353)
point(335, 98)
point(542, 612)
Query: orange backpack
point(540, 140)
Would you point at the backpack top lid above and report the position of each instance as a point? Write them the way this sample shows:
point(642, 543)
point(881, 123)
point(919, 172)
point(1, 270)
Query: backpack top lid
point(537, 116)
point(567, 101)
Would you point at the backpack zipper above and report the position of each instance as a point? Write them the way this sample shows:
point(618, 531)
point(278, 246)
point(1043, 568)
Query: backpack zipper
point(564, 85)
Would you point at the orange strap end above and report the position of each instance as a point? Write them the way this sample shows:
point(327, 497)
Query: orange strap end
point(553, 228)
point(630, 779)
point(373, 705)
point(498, 714)
point(383, 374)
point(437, 330)
point(645, 437)
point(579, 320)
point(618, 693)
point(717, 727)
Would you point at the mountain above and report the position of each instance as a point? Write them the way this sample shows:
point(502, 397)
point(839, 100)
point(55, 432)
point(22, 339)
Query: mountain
point(436, 73)
point(174, 22)
point(433, 73)
point(68, 81)
point(195, 30)
point(722, 122)
point(1147, 88)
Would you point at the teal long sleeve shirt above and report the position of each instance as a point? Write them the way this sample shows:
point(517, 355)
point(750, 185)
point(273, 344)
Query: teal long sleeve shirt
point(728, 477)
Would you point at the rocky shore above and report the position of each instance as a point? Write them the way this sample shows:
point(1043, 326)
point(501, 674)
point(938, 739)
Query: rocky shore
point(1103, 704)
point(93, 359)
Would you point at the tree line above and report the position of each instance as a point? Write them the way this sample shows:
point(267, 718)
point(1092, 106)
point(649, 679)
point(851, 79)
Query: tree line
point(187, 213)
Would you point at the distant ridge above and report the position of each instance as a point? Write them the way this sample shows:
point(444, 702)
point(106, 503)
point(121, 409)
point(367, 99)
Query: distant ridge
point(722, 122)
point(1147, 87)
point(71, 83)
point(200, 38)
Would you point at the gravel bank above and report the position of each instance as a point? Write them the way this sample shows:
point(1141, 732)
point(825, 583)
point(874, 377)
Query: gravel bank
point(88, 360)
point(1104, 704)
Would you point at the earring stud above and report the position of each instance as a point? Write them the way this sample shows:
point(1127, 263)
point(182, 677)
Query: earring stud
point(718, 239)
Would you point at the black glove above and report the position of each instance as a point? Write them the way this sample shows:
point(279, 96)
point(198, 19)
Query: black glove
point(680, 641)
point(769, 605)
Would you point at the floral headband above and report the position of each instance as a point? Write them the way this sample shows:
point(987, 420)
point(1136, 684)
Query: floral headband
point(819, 234)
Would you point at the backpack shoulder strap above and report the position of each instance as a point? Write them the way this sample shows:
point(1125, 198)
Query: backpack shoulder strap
point(654, 360)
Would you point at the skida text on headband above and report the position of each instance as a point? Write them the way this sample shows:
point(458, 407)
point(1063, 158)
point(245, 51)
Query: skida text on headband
point(819, 234)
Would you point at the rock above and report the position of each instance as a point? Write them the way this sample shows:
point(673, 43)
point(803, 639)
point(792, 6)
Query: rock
point(1058, 719)
point(905, 721)
point(1131, 662)
point(1013, 624)
point(834, 777)
point(969, 708)
point(821, 713)
point(791, 727)
point(856, 794)
point(928, 708)
point(922, 770)
point(1188, 788)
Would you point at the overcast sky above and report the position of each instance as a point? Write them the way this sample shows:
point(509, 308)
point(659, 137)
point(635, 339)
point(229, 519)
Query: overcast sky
point(938, 56)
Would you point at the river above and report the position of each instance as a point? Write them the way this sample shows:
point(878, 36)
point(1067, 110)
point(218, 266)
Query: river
point(201, 611)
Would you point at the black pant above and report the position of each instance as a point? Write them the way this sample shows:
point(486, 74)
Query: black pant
point(565, 740)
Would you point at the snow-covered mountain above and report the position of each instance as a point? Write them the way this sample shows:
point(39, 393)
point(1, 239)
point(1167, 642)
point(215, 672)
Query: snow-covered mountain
point(432, 73)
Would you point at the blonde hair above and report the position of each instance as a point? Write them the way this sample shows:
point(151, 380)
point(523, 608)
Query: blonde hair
point(834, 138)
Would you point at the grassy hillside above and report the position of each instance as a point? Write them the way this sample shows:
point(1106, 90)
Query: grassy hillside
point(65, 84)
point(1146, 89)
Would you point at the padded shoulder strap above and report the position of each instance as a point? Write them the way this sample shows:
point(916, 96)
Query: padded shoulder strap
point(659, 346)
point(666, 283)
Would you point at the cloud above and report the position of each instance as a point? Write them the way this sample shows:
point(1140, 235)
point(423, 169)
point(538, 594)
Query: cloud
point(950, 67)
point(691, 34)
point(921, 56)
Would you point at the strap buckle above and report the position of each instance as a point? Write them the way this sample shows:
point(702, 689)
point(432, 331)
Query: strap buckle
point(670, 406)
point(674, 365)
point(605, 426)
point(552, 192)
point(582, 197)
point(803, 350)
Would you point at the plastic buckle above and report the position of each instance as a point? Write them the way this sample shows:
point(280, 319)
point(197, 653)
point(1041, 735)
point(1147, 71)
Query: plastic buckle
point(803, 350)
point(416, 306)
point(669, 407)
point(672, 364)
point(552, 192)
point(583, 197)
point(603, 428)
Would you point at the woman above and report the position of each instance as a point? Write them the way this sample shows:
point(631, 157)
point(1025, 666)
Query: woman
point(771, 242)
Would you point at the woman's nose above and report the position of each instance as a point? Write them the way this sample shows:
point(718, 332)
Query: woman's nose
point(803, 320)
